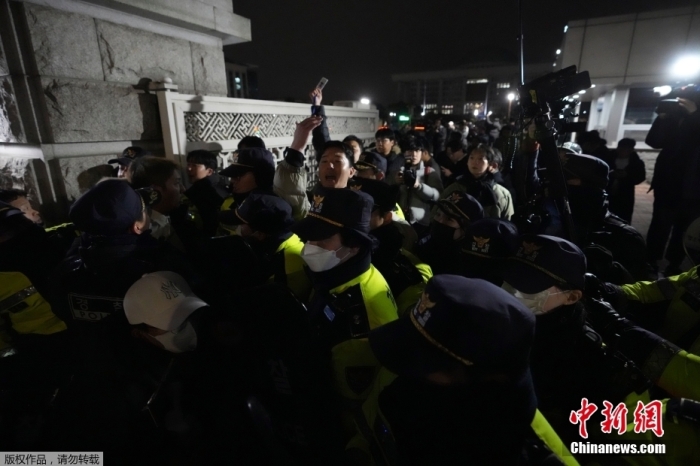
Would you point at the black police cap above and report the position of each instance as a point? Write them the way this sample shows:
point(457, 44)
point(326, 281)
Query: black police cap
point(129, 155)
point(491, 238)
point(458, 319)
point(384, 195)
point(544, 261)
point(371, 160)
point(462, 207)
point(262, 212)
point(255, 159)
point(111, 207)
point(336, 210)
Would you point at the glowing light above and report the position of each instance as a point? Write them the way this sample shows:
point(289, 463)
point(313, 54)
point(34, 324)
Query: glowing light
point(364, 101)
point(511, 96)
point(554, 64)
point(581, 92)
point(489, 114)
point(663, 90)
point(592, 86)
point(686, 67)
point(476, 112)
point(558, 51)
point(566, 28)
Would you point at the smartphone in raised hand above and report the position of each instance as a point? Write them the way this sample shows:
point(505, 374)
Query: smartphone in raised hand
point(321, 84)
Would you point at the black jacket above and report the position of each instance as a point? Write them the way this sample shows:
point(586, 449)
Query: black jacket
point(88, 288)
point(622, 183)
point(207, 195)
point(482, 423)
point(677, 171)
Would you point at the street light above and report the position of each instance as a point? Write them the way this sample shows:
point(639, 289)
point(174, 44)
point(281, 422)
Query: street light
point(511, 97)
point(364, 101)
point(686, 67)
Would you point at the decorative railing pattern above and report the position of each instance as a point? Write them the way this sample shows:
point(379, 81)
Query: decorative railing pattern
point(210, 126)
point(219, 123)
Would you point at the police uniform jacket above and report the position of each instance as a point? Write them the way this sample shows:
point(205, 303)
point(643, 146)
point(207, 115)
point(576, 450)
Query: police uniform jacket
point(289, 268)
point(88, 289)
point(349, 301)
point(405, 274)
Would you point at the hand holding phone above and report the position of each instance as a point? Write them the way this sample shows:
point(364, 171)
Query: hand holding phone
point(316, 96)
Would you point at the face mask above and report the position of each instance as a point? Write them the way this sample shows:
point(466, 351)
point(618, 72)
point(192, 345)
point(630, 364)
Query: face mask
point(441, 234)
point(319, 259)
point(533, 301)
point(179, 341)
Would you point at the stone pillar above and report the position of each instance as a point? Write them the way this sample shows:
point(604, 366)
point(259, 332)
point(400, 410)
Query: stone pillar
point(74, 79)
point(617, 115)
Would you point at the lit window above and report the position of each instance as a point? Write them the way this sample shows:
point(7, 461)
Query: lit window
point(477, 81)
point(503, 85)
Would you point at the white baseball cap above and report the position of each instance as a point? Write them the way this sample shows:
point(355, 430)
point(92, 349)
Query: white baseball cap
point(162, 300)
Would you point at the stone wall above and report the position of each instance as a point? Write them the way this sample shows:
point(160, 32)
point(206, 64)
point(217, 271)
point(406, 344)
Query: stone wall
point(77, 86)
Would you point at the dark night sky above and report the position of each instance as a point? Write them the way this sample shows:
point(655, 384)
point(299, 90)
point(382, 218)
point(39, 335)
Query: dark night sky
point(358, 44)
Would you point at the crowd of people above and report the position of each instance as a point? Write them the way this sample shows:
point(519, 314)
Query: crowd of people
point(419, 301)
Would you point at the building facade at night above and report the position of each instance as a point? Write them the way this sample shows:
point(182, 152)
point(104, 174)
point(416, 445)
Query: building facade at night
point(627, 57)
point(481, 88)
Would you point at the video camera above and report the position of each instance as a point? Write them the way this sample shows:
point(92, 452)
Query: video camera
point(545, 90)
point(542, 102)
point(546, 95)
point(671, 104)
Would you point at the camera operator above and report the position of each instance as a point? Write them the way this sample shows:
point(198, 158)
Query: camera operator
point(419, 184)
point(676, 181)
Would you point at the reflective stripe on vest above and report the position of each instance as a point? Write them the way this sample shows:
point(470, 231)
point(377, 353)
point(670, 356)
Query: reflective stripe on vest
point(8, 303)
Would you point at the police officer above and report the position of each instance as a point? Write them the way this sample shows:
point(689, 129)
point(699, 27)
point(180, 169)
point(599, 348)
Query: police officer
point(124, 162)
point(404, 272)
point(450, 224)
point(26, 258)
point(115, 250)
point(265, 222)
point(486, 247)
point(464, 394)
point(350, 296)
point(253, 169)
point(33, 340)
point(112, 375)
point(572, 360)
point(547, 275)
point(206, 192)
point(667, 307)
